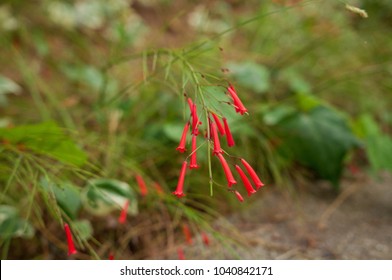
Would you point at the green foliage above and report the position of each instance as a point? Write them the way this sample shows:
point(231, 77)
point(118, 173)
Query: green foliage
point(67, 196)
point(7, 86)
point(251, 75)
point(319, 139)
point(11, 225)
point(88, 66)
point(173, 131)
point(378, 144)
point(83, 228)
point(102, 196)
point(46, 139)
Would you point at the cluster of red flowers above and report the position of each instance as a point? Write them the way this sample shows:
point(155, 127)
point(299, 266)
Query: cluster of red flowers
point(215, 128)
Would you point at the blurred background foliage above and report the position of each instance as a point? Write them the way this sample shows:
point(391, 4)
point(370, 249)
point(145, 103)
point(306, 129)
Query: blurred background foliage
point(91, 94)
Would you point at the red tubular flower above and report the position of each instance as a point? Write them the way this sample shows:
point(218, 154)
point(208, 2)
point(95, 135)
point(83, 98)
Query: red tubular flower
point(193, 163)
point(111, 256)
point(142, 185)
point(229, 136)
point(179, 192)
point(123, 215)
point(239, 196)
point(245, 180)
point(71, 246)
point(158, 188)
point(181, 146)
point(239, 107)
point(215, 137)
point(180, 253)
point(229, 176)
point(256, 180)
point(190, 103)
point(195, 121)
point(218, 124)
point(187, 234)
point(205, 238)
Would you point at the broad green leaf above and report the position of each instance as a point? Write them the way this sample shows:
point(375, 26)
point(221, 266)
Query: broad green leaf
point(278, 113)
point(378, 145)
point(307, 101)
point(48, 139)
point(319, 139)
point(67, 196)
point(251, 75)
point(83, 228)
point(11, 225)
point(102, 196)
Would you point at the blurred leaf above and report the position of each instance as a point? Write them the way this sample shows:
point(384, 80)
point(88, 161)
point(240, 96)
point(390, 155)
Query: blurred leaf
point(276, 114)
point(4, 122)
point(102, 196)
point(7, 86)
point(173, 131)
point(40, 43)
point(83, 228)
point(378, 144)
point(296, 82)
point(307, 101)
point(48, 139)
point(318, 139)
point(85, 74)
point(251, 75)
point(13, 226)
point(67, 196)
point(91, 76)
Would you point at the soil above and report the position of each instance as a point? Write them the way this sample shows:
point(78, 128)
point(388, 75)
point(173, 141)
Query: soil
point(315, 224)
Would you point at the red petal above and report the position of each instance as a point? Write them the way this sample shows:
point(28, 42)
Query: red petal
point(229, 136)
point(245, 180)
point(256, 180)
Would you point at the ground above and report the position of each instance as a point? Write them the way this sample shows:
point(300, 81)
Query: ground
point(316, 224)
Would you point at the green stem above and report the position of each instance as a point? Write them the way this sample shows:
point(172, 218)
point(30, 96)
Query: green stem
point(200, 92)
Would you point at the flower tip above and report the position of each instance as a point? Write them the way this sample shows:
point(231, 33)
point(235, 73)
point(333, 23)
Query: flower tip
point(205, 238)
point(245, 181)
point(229, 176)
point(232, 182)
point(259, 185)
point(178, 194)
point(123, 215)
point(180, 253)
point(193, 166)
point(72, 252)
point(142, 185)
point(256, 180)
point(71, 246)
point(250, 192)
point(181, 149)
point(187, 234)
point(239, 196)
